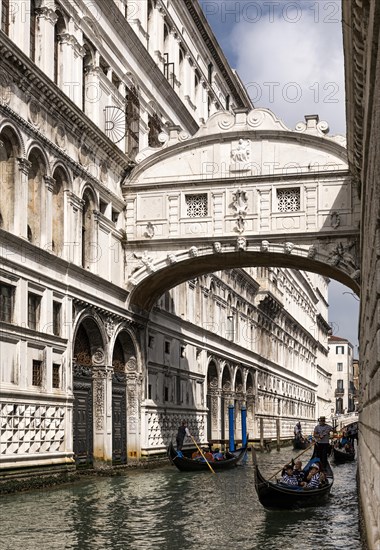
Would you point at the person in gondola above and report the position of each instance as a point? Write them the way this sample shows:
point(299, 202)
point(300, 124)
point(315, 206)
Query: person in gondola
point(288, 477)
point(321, 436)
point(297, 472)
point(313, 478)
point(183, 431)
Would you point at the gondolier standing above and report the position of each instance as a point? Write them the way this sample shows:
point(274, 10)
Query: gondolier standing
point(321, 436)
point(183, 431)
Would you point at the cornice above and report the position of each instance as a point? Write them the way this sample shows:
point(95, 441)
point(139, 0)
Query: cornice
point(156, 77)
point(77, 168)
point(27, 76)
point(195, 11)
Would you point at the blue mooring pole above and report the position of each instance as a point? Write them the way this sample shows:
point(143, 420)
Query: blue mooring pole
point(231, 427)
point(243, 425)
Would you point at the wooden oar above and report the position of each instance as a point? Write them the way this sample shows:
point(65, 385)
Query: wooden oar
point(295, 458)
point(200, 450)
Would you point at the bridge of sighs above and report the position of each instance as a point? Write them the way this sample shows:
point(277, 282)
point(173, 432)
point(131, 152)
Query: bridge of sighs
point(243, 191)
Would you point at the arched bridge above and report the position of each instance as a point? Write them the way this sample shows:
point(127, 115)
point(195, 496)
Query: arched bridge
point(244, 191)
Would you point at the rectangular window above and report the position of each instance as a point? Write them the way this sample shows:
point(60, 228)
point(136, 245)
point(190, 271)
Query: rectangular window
point(339, 349)
point(339, 384)
point(56, 381)
point(6, 302)
point(149, 391)
point(340, 366)
point(166, 393)
point(34, 306)
point(167, 347)
point(37, 373)
point(57, 306)
point(289, 200)
point(183, 351)
point(197, 205)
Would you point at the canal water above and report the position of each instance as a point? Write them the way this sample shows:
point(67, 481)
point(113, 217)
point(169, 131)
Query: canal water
point(164, 509)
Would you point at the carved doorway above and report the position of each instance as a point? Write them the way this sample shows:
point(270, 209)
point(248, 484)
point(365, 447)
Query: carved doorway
point(83, 400)
point(88, 339)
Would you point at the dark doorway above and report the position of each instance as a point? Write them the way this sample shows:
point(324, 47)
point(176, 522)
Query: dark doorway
point(83, 416)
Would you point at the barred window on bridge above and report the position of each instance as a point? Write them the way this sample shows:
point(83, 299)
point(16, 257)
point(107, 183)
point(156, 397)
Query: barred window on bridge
point(197, 205)
point(289, 200)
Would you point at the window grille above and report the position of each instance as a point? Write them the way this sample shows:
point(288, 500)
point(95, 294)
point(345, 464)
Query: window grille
point(289, 200)
point(56, 375)
point(37, 373)
point(197, 205)
point(6, 303)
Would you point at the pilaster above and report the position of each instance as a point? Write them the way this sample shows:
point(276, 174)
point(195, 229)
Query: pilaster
point(21, 197)
point(102, 388)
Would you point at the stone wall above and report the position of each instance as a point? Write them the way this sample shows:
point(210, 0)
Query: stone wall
point(361, 22)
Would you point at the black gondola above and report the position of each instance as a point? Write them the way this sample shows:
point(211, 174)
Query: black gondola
point(341, 456)
point(276, 496)
point(187, 464)
point(300, 443)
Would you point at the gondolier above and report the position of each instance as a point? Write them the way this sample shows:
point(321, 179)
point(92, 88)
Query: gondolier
point(322, 436)
point(183, 431)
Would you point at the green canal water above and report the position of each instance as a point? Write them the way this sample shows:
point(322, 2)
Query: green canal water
point(164, 509)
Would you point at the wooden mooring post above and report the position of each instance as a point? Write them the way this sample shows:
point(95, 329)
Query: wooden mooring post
point(278, 433)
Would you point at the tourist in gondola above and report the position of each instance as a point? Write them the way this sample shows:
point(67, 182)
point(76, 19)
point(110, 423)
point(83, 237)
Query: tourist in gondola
point(321, 436)
point(288, 477)
point(183, 431)
point(298, 472)
point(313, 478)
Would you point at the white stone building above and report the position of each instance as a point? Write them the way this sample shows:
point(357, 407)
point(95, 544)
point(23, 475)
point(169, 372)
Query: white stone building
point(83, 88)
point(342, 374)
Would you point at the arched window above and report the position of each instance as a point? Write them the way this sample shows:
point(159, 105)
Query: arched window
point(58, 211)
point(35, 193)
point(88, 230)
point(8, 154)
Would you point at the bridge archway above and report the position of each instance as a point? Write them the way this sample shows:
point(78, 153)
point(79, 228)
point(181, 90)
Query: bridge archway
point(244, 191)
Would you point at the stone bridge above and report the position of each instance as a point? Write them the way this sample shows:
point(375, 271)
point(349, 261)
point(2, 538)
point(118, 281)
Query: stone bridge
point(244, 191)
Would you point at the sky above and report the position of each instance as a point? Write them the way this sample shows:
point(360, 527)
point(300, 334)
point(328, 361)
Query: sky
point(289, 55)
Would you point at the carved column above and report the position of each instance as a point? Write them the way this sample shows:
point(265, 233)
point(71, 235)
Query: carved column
point(70, 68)
point(46, 214)
point(102, 389)
point(44, 58)
point(133, 410)
point(72, 250)
point(21, 197)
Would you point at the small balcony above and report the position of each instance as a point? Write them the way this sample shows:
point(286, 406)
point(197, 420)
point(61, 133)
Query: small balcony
point(339, 392)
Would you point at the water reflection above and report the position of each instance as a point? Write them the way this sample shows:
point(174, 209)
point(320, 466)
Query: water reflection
point(166, 509)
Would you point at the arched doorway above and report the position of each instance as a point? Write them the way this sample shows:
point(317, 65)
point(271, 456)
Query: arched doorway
point(87, 340)
point(125, 405)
